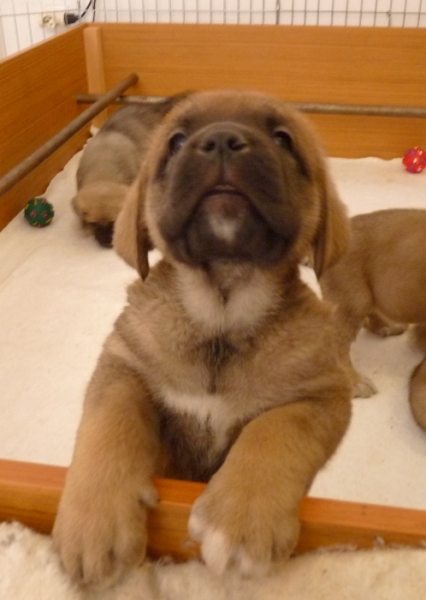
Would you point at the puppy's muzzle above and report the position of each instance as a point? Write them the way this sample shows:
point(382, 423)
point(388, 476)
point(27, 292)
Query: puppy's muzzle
point(227, 198)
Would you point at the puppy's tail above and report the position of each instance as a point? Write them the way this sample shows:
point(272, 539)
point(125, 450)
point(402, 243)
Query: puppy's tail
point(417, 394)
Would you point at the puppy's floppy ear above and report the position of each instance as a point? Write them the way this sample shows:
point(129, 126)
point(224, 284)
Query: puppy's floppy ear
point(131, 239)
point(332, 235)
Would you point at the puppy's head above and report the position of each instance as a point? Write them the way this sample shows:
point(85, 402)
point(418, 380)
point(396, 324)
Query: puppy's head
point(234, 176)
point(97, 205)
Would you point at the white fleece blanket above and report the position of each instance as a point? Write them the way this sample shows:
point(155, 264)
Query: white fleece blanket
point(29, 570)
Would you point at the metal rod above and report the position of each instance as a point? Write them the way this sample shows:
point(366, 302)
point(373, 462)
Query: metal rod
point(360, 109)
point(44, 151)
point(309, 107)
point(90, 98)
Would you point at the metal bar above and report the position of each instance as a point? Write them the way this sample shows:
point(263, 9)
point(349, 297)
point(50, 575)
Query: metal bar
point(90, 98)
point(360, 109)
point(44, 151)
point(309, 107)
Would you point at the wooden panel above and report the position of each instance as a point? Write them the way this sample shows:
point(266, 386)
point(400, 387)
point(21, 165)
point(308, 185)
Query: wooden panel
point(37, 99)
point(330, 522)
point(310, 64)
point(30, 493)
point(95, 67)
point(358, 136)
point(36, 182)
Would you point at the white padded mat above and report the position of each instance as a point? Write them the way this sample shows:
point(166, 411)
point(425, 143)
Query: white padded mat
point(60, 294)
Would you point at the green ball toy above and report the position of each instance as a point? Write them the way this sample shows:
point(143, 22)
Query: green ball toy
point(39, 212)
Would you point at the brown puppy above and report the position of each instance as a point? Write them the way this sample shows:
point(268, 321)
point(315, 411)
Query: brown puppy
point(223, 367)
point(111, 162)
point(381, 281)
point(417, 395)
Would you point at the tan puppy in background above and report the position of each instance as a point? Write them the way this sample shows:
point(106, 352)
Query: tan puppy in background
point(111, 162)
point(417, 395)
point(381, 281)
point(223, 367)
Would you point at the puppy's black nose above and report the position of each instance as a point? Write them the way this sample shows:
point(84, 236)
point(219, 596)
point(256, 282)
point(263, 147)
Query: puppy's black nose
point(222, 142)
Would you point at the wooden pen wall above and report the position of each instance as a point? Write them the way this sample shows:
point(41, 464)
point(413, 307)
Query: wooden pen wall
point(37, 99)
point(306, 64)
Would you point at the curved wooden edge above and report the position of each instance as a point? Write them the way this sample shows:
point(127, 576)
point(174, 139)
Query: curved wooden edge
point(30, 493)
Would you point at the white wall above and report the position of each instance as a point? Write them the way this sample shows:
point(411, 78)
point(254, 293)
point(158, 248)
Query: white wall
point(19, 19)
point(2, 44)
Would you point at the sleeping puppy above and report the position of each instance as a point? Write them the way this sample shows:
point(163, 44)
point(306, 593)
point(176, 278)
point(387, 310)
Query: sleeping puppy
point(381, 281)
point(111, 162)
point(223, 367)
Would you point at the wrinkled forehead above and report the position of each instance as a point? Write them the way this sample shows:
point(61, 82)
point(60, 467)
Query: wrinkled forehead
point(249, 108)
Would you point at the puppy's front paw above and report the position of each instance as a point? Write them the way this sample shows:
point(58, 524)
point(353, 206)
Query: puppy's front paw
point(391, 330)
point(383, 327)
point(364, 387)
point(100, 529)
point(242, 527)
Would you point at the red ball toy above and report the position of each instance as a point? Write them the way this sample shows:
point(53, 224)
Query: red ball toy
point(414, 160)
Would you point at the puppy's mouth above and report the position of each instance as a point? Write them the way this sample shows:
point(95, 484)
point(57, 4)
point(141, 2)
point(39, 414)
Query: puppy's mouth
point(226, 225)
point(225, 204)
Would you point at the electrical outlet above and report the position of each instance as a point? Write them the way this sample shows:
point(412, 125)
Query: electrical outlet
point(52, 19)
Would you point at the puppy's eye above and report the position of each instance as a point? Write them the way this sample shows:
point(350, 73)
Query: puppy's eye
point(283, 139)
point(176, 142)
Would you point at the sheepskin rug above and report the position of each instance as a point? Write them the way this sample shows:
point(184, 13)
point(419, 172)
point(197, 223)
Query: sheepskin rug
point(30, 570)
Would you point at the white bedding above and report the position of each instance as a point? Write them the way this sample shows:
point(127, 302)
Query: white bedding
point(60, 294)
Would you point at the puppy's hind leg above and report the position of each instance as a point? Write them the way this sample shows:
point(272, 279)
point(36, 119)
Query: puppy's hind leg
point(417, 394)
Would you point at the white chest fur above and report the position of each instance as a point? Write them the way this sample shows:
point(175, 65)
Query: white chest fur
point(249, 299)
point(210, 410)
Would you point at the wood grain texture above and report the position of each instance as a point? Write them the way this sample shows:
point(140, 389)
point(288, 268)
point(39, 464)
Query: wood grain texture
point(95, 67)
point(300, 64)
point(37, 99)
point(30, 494)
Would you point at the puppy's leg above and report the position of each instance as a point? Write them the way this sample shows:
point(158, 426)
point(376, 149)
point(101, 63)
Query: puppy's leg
point(418, 336)
point(347, 290)
point(248, 515)
point(378, 323)
point(349, 323)
point(100, 527)
point(418, 394)
point(362, 386)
